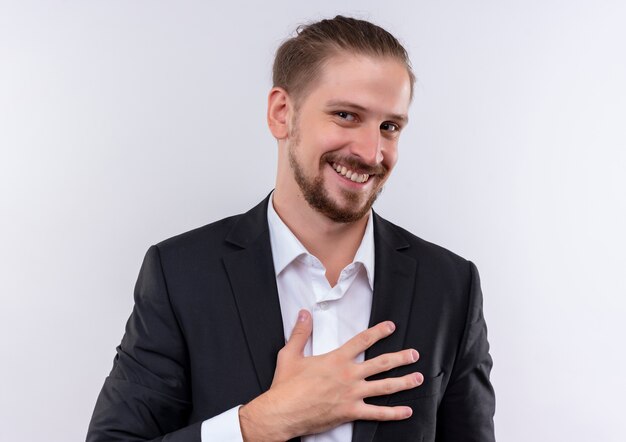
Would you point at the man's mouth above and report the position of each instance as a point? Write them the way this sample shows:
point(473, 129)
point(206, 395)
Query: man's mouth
point(349, 174)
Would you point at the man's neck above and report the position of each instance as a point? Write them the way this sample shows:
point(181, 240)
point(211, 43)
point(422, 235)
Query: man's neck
point(334, 244)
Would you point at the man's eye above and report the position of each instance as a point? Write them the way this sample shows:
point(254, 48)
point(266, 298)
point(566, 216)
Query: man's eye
point(390, 127)
point(346, 116)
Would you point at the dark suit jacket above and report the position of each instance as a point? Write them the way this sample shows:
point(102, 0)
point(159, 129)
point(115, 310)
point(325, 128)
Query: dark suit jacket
point(206, 328)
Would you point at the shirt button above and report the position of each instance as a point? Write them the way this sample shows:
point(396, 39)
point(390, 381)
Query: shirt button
point(323, 305)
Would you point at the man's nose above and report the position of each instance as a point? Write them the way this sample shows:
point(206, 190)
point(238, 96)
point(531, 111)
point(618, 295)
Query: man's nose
point(368, 145)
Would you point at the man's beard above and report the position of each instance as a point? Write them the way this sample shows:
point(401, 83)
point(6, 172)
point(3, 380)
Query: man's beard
point(317, 196)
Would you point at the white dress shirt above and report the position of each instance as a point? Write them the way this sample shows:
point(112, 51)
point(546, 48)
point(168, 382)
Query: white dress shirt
point(338, 312)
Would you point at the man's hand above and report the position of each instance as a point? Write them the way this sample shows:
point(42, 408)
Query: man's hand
point(314, 394)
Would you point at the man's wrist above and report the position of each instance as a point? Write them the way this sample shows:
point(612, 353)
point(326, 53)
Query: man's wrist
point(257, 426)
point(246, 425)
point(252, 426)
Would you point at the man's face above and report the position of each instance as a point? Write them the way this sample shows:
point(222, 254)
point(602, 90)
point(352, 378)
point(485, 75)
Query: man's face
point(343, 140)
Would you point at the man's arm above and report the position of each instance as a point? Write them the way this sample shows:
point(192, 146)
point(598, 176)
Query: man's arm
point(467, 408)
point(146, 396)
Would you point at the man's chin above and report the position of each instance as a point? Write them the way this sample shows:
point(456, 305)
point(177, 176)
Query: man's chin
point(345, 211)
point(343, 216)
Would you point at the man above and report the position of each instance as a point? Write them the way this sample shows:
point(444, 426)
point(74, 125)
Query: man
point(204, 354)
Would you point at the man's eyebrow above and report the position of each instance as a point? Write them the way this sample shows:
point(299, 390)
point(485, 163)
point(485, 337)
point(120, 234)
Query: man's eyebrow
point(404, 119)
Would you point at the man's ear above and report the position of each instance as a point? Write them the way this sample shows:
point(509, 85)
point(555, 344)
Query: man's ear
point(278, 112)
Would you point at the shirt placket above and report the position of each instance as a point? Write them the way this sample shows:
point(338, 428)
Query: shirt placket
point(325, 323)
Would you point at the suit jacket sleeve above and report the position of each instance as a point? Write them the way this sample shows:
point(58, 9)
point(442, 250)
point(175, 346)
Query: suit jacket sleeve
point(147, 396)
point(467, 408)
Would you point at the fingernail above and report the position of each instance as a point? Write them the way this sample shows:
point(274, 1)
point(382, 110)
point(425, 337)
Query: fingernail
point(409, 412)
point(414, 355)
point(391, 326)
point(419, 378)
point(302, 315)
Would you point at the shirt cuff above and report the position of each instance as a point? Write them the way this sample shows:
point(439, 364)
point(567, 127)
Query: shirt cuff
point(223, 427)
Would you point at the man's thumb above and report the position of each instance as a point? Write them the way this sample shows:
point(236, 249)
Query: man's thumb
point(300, 333)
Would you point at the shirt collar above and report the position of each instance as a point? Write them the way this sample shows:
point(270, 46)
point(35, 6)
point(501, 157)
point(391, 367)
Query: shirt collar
point(286, 247)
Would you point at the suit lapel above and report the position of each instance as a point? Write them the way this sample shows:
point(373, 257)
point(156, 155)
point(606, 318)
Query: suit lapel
point(394, 283)
point(252, 278)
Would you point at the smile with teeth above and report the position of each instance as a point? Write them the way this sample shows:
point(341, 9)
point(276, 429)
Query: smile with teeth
point(353, 176)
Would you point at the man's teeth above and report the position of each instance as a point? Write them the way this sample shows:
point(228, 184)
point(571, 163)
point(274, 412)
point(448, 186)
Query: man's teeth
point(356, 177)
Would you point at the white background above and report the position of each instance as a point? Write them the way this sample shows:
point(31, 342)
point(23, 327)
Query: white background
point(125, 122)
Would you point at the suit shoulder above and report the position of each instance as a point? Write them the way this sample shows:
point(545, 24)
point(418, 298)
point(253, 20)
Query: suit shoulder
point(207, 237)
point(205, 244)
point(425, 251)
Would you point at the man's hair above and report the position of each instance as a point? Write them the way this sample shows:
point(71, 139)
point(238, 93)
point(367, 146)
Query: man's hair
point(299, 59)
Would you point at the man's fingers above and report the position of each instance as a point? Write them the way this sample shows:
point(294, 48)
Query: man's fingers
point(376, 413)
point(300, 333)
point(388, 361)
point(365, 339)
point(391, 385)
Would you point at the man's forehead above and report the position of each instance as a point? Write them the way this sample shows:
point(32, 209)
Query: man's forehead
point(364, 83)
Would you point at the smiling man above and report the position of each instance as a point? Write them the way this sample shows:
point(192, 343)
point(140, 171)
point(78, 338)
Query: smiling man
point(309, 316)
